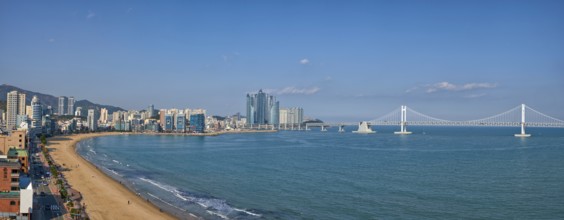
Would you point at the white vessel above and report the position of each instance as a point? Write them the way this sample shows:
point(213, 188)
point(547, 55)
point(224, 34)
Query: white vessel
point(364, 128)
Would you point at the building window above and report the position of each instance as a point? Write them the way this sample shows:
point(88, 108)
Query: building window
point(15, 180)
point(12, 202)
point(15, 188)
point(14, 171)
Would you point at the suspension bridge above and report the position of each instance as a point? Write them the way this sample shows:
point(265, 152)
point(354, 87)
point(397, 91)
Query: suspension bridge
point(520, 116)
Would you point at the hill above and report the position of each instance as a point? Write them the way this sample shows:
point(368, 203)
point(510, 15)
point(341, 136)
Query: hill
point(50, 100)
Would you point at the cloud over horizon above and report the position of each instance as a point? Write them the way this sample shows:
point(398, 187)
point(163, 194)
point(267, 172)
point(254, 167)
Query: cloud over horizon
point(304, 61)
point(291, 90)
point(446, 86)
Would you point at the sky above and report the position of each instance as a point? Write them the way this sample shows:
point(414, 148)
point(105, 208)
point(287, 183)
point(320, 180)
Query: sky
point(339, 60)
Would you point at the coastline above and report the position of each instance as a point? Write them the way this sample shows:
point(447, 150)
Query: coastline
point(105, 197)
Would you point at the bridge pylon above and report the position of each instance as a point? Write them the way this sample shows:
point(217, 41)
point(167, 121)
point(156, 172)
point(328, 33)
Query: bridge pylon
point(403, 121)
point(523, 134)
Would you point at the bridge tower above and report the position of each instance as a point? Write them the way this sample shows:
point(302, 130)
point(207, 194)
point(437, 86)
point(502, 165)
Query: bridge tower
point(403, 122)
point(523, 134)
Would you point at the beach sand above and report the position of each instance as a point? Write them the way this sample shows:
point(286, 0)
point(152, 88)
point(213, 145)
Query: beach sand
point(104, 197)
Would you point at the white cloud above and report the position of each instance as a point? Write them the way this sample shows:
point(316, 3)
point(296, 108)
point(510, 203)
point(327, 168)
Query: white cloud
point(51, 40)
point(90, 15)
point(304, 61)
point(446, 86)
point(291, 90)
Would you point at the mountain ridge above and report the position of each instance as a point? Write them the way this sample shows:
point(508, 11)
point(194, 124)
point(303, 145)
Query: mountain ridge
point(51, 100)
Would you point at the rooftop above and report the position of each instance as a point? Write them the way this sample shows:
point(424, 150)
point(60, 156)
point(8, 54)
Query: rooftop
point(13, 152)
point(10, 195)
point(9, 163)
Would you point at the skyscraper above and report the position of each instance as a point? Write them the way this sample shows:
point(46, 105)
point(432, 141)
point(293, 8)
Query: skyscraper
point(103, 115)
point(293, 115)
point(198, 123)
point(91, 119)
point(21, 104)
point(11, 110)
point(36, 112)
point(70, 105)
point(62, 105)
point(150, 111)
point(262, 109)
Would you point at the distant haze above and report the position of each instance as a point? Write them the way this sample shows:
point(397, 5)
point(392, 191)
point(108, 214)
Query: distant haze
point(339, 60)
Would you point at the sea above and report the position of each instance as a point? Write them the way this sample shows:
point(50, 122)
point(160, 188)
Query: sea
point(434, 173)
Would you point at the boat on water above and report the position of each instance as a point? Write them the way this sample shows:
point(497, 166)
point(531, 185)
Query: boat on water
point(364, 128)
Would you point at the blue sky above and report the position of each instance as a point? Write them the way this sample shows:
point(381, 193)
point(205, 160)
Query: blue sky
point(339, 60)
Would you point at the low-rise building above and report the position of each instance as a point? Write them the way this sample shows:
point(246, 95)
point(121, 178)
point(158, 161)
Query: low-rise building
point(16, 139)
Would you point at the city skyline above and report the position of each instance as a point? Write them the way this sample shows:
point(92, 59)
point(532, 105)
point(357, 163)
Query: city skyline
point(341, 61)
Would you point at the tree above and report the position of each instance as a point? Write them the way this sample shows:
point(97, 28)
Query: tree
point(43, 139)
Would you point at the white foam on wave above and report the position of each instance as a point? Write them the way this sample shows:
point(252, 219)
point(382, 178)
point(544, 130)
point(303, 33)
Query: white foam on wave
point(245, 211)
point(169, 203)
point(115, 161)
point(114, 172)
point(159, 185)
point(218, 214)
point(92, 151)
point(213, 206)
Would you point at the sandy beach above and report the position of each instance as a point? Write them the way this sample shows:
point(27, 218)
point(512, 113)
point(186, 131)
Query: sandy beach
point(104, 197)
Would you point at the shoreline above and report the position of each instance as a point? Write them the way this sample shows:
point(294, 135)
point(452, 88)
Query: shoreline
point(81, 175)
point(104, 196)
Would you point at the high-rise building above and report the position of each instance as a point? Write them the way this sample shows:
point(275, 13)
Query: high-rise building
point(36, 112)
point(197, 123)
point(103, 115)
point(293, 115)
point(168, 122)
point(262, 109)
point(62, 105)
point(150, 111)
point(91, 119)
point(70, 106)
point(78, 111)
point(11, 110)
point(21, 104)
point(180, 122)
point(28, 111)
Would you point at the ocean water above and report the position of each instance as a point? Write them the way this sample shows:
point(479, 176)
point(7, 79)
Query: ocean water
point(435, 173)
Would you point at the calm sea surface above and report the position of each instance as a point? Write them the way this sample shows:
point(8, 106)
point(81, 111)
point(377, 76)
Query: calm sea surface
point(454, 173)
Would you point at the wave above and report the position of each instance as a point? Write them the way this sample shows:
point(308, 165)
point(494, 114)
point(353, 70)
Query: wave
point(156, 197)
point(245, 211)
point(212, 206)
point(114, 172)
point(115, 161)
point(92, 151)
point(218, 214)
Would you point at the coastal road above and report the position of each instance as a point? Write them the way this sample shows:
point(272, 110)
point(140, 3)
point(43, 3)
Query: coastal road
point(45, 203)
